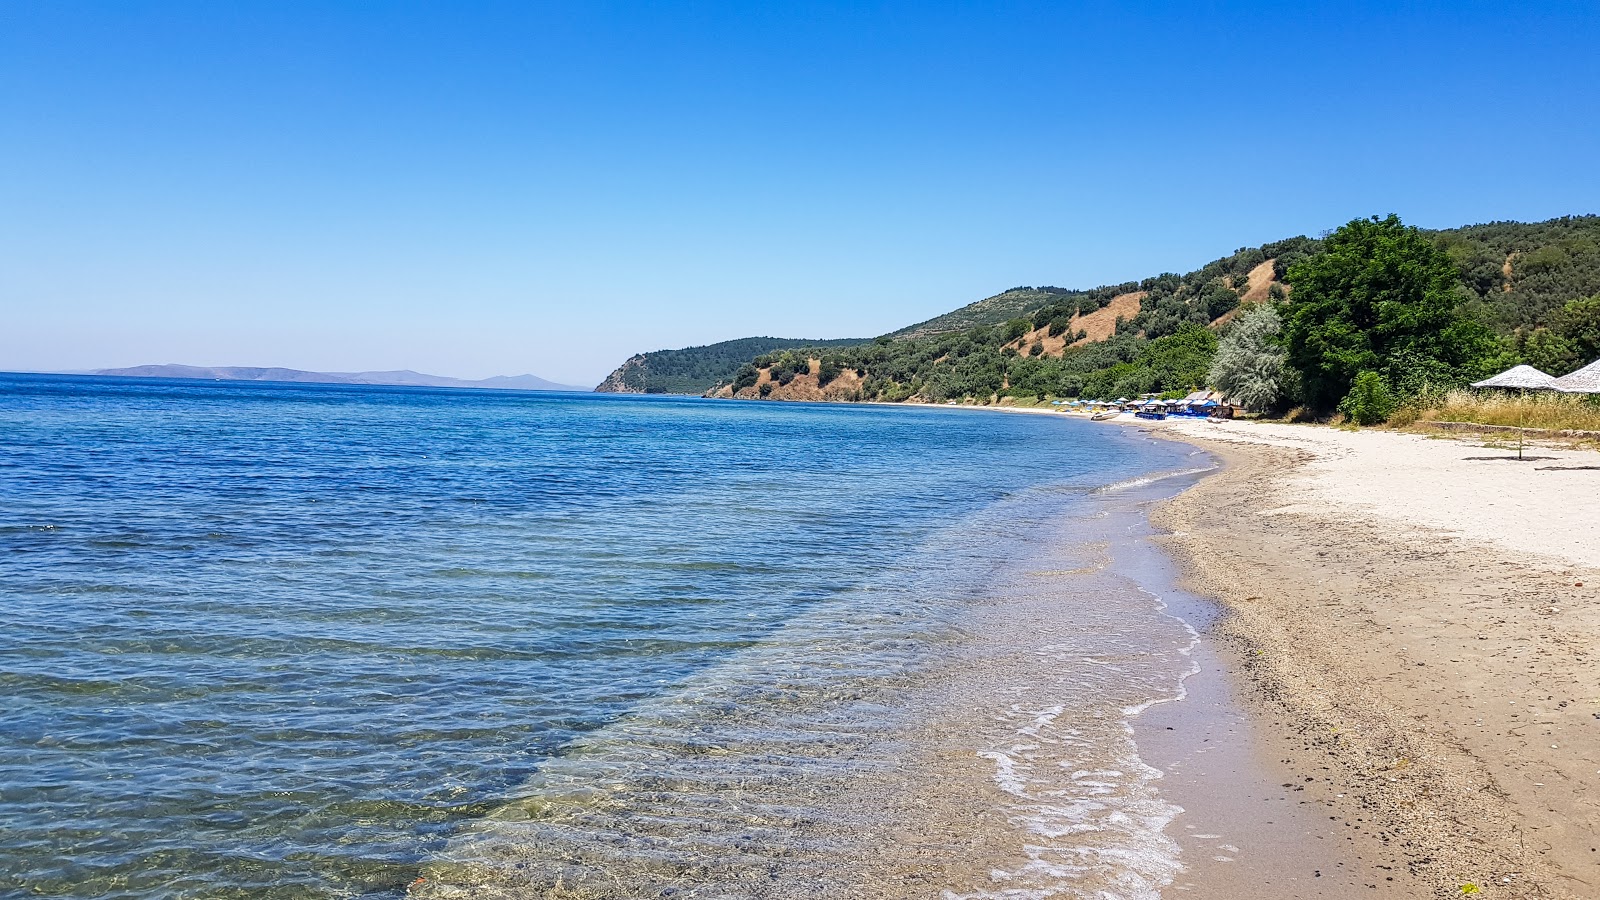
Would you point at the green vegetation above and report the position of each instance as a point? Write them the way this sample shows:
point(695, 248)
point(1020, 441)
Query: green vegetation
point(1421, 312)
point(1380, 299)
point(1251, 364)
point(1549, 264)
point(1167, 348)
point(1570, 340)
point(1370, 401)
point(695, 370)
point(1202, 297)
point(1017, 302)
point(976, 363)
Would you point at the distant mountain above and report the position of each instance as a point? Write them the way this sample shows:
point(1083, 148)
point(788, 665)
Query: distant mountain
point(401, 377)
point(695, 370)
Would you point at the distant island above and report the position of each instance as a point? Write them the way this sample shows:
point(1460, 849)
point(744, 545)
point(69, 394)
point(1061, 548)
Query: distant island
point(403, 377)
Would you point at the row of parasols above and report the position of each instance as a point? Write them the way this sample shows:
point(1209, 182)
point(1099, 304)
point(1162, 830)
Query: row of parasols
point(1584, 381)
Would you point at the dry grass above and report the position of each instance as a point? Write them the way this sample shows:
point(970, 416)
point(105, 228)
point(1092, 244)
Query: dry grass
point(1544, 410)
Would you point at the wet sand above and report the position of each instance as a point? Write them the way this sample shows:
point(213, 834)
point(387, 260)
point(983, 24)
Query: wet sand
point(1413, 623)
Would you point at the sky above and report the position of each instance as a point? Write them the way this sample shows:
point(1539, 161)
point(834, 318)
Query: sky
point(483, 188)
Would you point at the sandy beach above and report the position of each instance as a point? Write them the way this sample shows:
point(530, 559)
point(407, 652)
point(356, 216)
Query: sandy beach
point(1414, 622)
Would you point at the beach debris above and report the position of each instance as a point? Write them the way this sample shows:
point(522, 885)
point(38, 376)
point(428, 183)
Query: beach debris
point(1470, 888)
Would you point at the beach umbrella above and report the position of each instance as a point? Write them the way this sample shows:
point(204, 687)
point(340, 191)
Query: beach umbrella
point(1525, 378)
point(1584, 381)
point(1521, 379)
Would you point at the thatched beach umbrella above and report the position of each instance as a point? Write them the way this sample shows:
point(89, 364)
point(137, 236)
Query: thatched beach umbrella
point(1525, 378)
point(1584, 381)
point(1522, 379)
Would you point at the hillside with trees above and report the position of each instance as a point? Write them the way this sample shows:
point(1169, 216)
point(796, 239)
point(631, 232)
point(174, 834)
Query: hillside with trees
point(1392, 309)
point(1002, 307)
point(695, 370)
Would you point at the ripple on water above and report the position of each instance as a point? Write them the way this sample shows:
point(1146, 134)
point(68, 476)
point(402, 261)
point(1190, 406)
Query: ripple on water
point(289, 641)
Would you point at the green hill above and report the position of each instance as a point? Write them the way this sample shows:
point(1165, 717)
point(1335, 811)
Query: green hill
point(1006, 305)
point(1523, 272)
point(695, 370)
point(1158, 335)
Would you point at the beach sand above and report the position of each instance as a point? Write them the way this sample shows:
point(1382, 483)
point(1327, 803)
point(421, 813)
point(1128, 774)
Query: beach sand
point(1415, 621)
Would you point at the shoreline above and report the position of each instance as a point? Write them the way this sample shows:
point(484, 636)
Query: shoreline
point(1315, 755)
point(1430, 686)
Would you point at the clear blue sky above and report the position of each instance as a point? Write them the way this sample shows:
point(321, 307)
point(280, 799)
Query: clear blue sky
point(496, 188)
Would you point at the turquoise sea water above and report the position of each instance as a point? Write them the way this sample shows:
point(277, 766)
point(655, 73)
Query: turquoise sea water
point(268, 640)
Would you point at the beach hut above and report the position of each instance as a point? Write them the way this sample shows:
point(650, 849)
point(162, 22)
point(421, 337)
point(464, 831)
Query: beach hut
point(1521, 379)
point(1584, 381)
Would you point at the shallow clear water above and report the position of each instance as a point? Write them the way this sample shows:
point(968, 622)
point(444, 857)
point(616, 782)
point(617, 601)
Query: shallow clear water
point(296, 640)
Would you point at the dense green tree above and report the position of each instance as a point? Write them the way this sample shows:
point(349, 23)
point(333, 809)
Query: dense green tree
point(1379, 297)
point(1547, 351)
point(1579, 324)
point(828, 371)
point(1181, 360)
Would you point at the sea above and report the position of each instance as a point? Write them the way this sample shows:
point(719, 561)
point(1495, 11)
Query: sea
point(325, 641)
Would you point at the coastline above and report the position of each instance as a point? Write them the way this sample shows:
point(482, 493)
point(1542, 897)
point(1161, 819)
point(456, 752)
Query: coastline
point(1350, 728)
point(1401, 668)
point(1423, 672)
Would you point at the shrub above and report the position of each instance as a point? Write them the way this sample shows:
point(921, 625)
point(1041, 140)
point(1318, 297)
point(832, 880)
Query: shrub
point(1370, 402)
point(747, 377)
point(1036, 349)
point(828, 371)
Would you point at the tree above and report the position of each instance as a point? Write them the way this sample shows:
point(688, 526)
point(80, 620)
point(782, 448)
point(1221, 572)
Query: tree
point(1579, 324)
point(1547, 351)
point(1380, 297)
point(828, 370)
point(1179, 361)
point(1249, 366)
